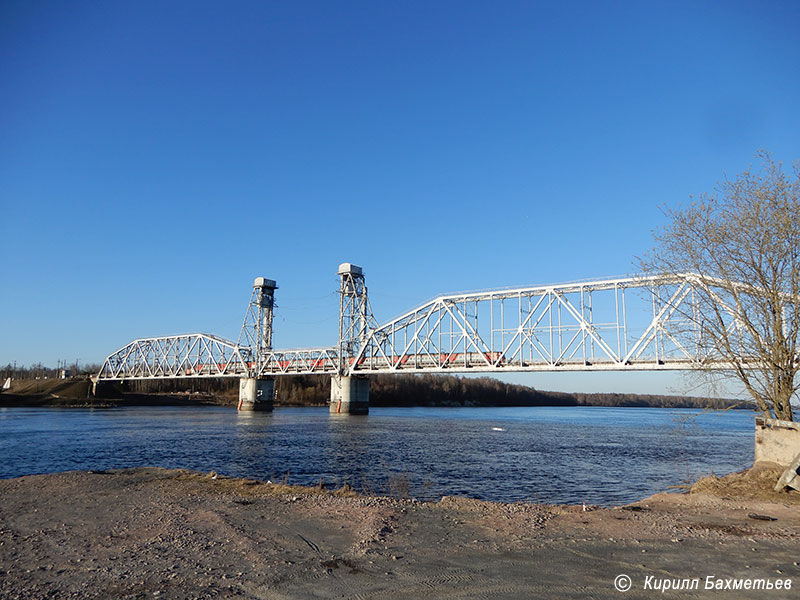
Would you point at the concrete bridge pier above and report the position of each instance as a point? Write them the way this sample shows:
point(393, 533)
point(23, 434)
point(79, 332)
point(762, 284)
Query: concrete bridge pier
point(349, 394)
point(256, 394)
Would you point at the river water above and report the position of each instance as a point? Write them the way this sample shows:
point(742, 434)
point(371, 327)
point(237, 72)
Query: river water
point(560, 455)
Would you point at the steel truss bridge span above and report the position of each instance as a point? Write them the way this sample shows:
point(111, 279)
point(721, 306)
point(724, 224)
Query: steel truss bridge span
point(631, 323)
point(203, 355)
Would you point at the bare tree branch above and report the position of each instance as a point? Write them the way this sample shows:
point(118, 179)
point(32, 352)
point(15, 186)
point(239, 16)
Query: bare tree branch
point(743, 241)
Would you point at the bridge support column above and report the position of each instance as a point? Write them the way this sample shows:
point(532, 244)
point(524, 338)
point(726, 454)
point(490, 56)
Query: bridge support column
point(256, 394)
point(349, 394)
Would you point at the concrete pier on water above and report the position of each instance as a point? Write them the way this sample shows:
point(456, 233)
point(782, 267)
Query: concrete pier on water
point(256, 394)
point(349, 395)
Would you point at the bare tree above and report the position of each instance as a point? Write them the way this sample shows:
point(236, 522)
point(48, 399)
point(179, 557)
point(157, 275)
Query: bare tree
point(743, 242)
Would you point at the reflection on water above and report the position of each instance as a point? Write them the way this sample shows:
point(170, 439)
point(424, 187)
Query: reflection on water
point(564, 454)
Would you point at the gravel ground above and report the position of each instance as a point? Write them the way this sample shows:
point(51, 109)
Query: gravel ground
point(155, 533)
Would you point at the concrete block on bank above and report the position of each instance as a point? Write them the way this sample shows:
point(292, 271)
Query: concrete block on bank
point(777, 441)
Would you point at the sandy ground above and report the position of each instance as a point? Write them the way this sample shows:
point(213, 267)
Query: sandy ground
point(154, 533)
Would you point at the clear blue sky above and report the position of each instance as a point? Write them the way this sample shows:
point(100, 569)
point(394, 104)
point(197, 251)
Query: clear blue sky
point(156, 156)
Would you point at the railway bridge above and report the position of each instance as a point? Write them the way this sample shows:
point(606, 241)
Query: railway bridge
point(640, 323)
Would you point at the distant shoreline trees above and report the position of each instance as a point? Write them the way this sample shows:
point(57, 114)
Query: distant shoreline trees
point(387, 390)
point(397, 390)
point(39, 371)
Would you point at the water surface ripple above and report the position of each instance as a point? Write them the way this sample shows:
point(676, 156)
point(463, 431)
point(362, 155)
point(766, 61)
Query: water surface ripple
point(564, 454)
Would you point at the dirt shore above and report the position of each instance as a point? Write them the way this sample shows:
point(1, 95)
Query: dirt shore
point(76, 393)
point(155, 533)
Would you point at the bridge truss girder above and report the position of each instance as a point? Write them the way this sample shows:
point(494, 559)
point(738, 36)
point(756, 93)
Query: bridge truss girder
point(172, 357)
point(546, 328)
point(201, 355)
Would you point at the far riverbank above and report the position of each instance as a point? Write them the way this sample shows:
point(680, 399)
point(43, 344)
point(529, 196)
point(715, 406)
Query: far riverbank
point(314, 390)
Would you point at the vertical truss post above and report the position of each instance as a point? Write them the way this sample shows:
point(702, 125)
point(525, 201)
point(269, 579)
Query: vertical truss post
point(355, 314)
point(256, 331)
